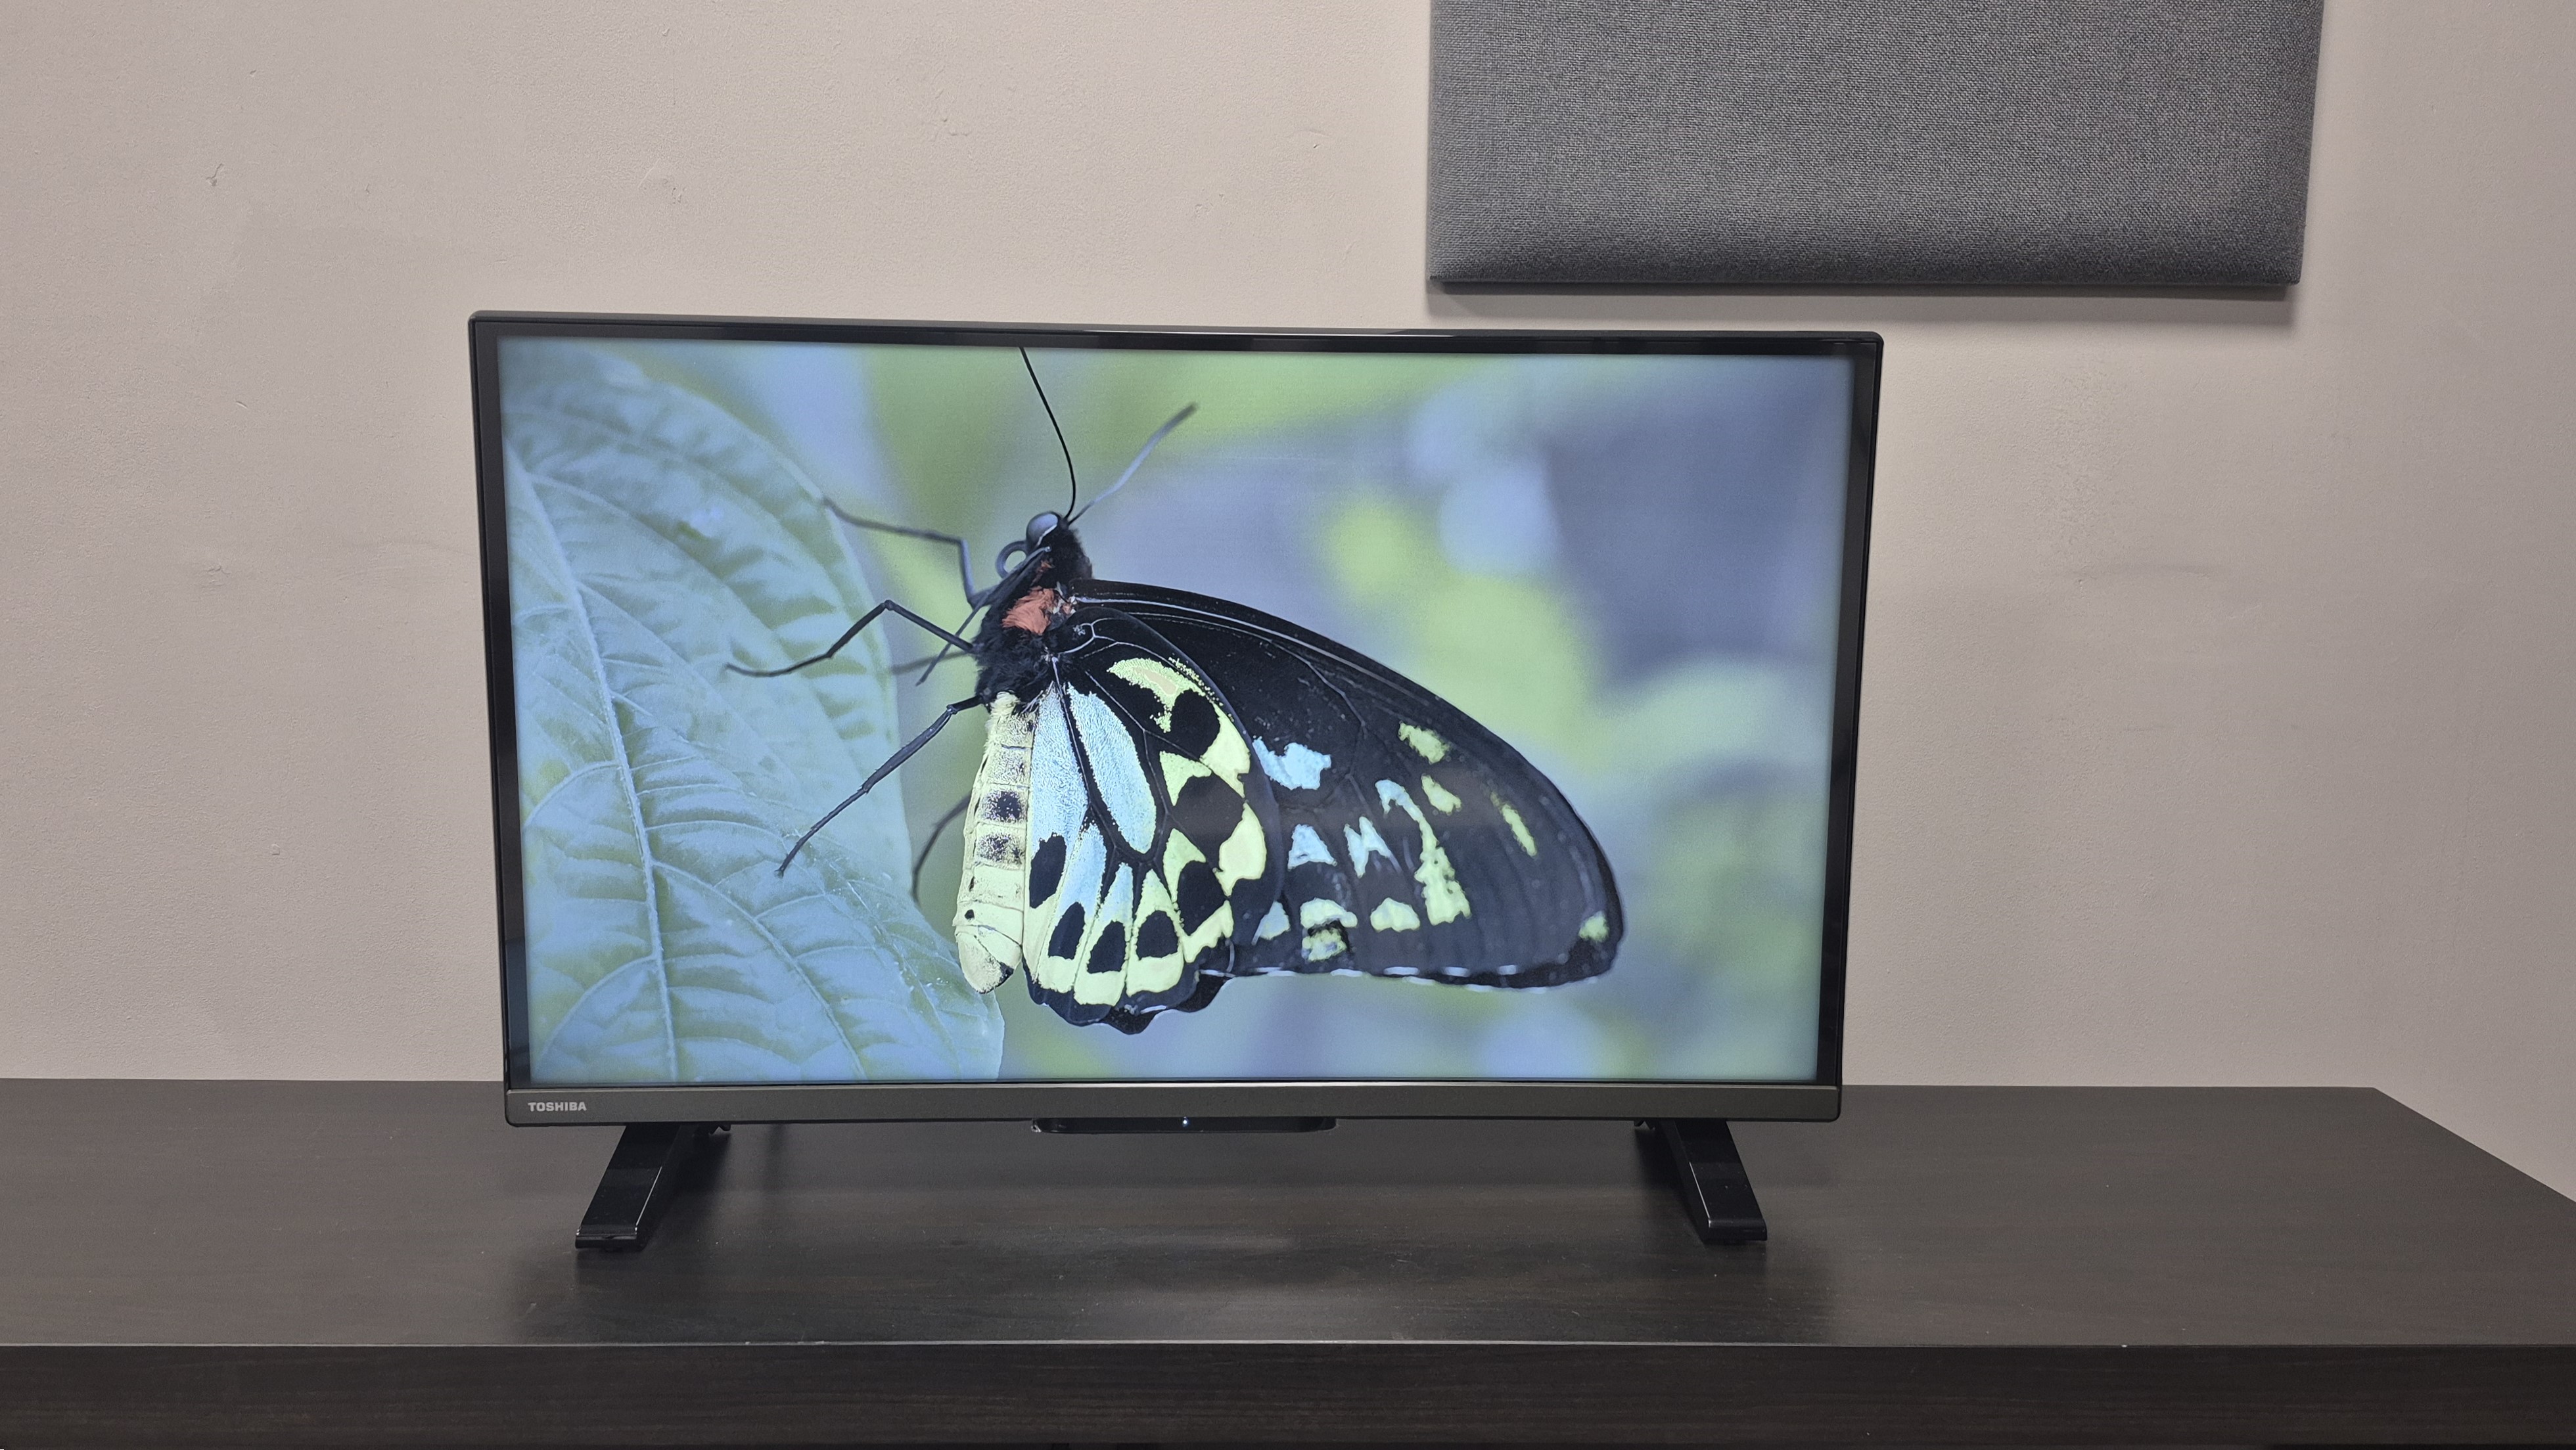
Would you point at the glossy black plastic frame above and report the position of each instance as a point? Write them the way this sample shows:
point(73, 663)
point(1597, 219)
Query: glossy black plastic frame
point(527, 1104)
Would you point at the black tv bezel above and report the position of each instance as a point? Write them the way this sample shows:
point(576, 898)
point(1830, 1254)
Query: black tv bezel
point(527, 1104)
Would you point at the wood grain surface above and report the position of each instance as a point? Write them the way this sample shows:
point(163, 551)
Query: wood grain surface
point(387, 1263)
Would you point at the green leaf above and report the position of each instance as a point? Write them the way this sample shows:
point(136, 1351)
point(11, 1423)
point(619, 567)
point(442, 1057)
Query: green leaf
point(656, 538)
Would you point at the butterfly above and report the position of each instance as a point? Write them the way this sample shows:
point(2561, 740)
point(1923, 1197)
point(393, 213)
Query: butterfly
point(1177, 791)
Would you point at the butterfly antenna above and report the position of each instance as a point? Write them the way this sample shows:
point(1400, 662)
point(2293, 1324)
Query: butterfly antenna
point(1139, 460)
point(1073, 482)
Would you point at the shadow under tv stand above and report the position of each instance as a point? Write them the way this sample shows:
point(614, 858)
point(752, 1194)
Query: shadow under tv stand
point(321, 1264)
point(652, 1162)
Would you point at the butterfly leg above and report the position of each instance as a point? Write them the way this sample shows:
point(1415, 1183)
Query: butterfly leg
point(925, 662)
point(954, 641)
point(932, 840)
point(965, 569)
point(893, 763)
point(965, 575)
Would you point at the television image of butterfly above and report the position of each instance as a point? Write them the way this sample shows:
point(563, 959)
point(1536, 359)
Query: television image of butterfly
point(1176, 791)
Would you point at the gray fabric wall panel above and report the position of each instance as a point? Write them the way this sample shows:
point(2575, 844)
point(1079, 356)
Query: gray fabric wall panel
point(2015, 142)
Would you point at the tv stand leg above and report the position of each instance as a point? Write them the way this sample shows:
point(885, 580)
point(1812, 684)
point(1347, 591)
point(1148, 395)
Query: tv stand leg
point(639, 1184)
point(1716, 1195)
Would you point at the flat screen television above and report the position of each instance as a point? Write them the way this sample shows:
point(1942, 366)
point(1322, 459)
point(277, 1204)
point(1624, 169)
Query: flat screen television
point(1468, 732)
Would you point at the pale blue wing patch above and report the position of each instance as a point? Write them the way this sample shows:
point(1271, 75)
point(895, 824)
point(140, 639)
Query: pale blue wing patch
point(1066, 855)
point(1295, 766)
point(1306, 847)
point(1362, 841)
point(1125, 791)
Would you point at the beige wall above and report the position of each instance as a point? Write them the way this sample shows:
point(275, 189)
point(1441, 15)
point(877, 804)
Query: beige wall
point(2221, 703)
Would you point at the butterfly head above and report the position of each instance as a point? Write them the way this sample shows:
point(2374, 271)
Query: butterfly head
point(1042, 529)
point(1049, 553)
point(1035, 569)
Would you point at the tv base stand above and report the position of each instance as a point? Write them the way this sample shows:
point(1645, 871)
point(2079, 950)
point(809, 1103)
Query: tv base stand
point(639, 1182)
point(643, 1174)
point(1716, 1195)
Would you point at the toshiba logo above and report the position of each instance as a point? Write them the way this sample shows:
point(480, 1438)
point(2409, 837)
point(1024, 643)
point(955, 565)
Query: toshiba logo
point(573, 1106)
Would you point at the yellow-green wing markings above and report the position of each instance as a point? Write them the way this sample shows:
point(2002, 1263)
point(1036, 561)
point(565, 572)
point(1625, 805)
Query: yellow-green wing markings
point(1520, 828)
point(1425, 743)
point(1394, 915)
point(1414, 843)
point(1328, 926)
point(1147, 856)
point(1443, 899)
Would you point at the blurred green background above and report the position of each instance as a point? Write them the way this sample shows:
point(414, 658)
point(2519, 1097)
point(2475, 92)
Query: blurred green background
point(1626, 566)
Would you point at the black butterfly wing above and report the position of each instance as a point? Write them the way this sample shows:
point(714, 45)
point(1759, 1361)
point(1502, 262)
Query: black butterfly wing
point(1152, 832)
point(1415, 842)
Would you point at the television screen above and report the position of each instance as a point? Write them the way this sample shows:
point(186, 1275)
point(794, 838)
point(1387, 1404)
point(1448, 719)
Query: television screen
point(1350, 709)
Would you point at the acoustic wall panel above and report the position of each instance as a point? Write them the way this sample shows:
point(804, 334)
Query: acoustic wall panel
point(2021, 142)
